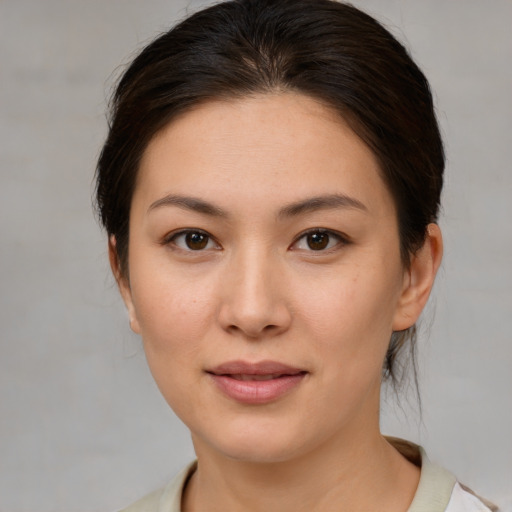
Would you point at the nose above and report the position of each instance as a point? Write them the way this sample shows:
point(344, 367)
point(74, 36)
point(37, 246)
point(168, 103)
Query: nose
point(254, 301)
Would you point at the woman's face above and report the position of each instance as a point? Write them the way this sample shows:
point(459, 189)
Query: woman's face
point(265, 275)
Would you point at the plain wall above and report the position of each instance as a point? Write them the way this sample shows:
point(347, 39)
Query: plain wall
point(82, 425)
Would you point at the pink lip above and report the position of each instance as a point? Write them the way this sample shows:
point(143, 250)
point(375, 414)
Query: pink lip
point(281, 379)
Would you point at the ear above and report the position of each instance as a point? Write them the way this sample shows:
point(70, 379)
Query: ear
point(123, 283)
point(419, 279)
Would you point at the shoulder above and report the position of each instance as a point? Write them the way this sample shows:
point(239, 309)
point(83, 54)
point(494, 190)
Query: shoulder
point(464, 500)
point(438, 489)
point(149, 503)
point(167, 499)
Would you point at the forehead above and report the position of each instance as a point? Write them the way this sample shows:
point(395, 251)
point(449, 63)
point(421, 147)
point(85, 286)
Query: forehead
point(270, 148)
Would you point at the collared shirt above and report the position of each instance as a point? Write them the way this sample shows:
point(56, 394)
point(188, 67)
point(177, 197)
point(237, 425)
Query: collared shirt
point(438, 490)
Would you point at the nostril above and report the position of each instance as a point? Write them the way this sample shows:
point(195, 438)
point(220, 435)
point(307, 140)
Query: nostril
point(253, 318)
point(253, 332)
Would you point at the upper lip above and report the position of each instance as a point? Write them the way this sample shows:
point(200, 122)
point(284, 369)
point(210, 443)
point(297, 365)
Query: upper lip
point(258, 368)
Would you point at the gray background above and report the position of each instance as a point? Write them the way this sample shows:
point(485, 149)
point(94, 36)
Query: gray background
point(82, 426)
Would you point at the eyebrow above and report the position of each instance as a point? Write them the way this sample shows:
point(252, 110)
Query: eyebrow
point(189, 203)
point(325, 202)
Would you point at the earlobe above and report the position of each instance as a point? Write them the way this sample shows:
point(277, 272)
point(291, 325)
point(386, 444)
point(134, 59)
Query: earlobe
point(122, 283)
point(419, 279)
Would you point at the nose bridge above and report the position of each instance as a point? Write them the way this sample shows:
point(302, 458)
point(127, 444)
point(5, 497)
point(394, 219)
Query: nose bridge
point(253, 299)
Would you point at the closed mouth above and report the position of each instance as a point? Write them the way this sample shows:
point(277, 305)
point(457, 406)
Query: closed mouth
point(261, 370)
point(257, 377)
point(256, 383)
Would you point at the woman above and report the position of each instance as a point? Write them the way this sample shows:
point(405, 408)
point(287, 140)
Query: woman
point(270, 186)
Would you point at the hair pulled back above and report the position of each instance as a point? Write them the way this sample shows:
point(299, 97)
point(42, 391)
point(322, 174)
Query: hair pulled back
point(328, 50)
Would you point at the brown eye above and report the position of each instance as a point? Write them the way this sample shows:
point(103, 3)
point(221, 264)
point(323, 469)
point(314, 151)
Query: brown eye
point(196, 241)
point(192, 240)
point(317, 241)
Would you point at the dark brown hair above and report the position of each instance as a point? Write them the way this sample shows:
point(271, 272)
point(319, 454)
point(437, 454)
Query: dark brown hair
point(325, 49)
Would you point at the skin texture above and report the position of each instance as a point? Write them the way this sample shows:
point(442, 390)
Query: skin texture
point(257, 291)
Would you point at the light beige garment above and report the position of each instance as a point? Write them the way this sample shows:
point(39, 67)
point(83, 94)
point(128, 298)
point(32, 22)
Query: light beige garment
point(438, 489)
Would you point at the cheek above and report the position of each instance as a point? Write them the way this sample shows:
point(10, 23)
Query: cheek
point(349, 319)
point(173, 311)
point(361, 302)
point(174, 317)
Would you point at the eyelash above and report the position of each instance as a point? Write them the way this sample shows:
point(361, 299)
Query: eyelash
point(341, 240)
point(172, 237)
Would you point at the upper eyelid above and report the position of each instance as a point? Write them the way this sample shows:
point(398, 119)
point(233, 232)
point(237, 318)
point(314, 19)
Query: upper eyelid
point(332, 232)
point(169, 237)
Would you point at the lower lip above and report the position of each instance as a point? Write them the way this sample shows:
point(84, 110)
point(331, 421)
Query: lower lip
point(257, 391)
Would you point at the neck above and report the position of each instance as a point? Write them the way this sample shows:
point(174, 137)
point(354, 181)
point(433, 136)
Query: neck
point(359, 472)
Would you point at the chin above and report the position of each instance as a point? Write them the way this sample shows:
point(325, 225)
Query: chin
point(263, 452)
point(256, 442)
